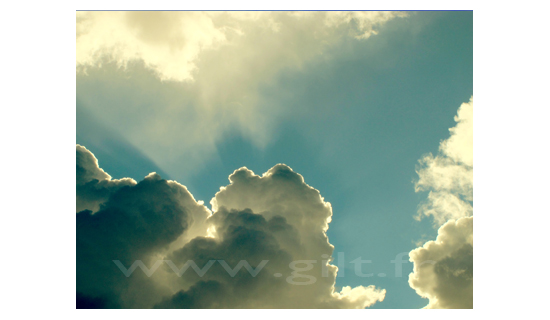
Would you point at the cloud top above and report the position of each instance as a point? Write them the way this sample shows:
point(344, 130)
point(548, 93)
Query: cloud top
point(264, 244)
point(449, 175)
point(93, 185)
point(443, 269)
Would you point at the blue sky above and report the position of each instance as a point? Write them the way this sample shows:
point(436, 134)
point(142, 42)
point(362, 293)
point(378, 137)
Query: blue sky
point(354, 124)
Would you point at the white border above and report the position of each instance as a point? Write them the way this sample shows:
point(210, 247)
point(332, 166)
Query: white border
point(511, 172)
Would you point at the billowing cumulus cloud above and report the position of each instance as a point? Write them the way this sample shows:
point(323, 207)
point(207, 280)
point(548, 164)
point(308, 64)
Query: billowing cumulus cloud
point(449, 176)
point(443, 269)
point(134, 221)
point(93, 185)
point(210, 67)
point(263, 246)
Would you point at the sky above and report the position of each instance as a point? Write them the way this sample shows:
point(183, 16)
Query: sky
point(358, 104)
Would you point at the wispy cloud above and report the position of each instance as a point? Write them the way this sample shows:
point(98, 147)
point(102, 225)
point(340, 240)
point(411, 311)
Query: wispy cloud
point(173, 43)
point(199, 74)
point(448, 176)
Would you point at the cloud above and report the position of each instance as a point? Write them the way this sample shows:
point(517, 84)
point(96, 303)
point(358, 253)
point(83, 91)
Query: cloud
point(173, 43)
point(158, 76)
point(448, 176)
point(135, 221)
point(365, 21)
point(443, 269)
point(263, 246)
point(93, 185)
point(122, 158)
point(167, 42)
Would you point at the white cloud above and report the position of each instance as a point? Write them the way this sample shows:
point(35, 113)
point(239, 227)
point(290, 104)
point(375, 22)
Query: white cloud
point(204, 72)
point(167, 42)
point(171, 43)
point(449, 175)
point(275, 217)
point(365, 21)
point(443, 269)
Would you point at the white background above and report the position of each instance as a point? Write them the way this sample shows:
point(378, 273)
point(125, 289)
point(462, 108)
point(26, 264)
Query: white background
point(38, 137)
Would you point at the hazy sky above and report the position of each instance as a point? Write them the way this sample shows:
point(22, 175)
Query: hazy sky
point(350, 101)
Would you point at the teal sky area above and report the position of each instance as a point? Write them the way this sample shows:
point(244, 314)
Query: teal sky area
point(360, 119)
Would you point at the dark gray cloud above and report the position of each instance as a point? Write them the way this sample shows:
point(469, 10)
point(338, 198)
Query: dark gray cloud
point(93, 185)
point(242, 236)
point(265, 245)
point(133, 222)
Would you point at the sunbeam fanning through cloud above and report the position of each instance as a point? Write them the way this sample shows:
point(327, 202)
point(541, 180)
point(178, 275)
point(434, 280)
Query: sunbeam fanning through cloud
point(199, 74)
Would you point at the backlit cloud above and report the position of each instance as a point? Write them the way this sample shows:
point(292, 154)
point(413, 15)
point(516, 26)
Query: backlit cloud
point(172, 43)
point(264, 245)
point(93, 185)
point(158, 76)
point(443, 269)
point(449, 175)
